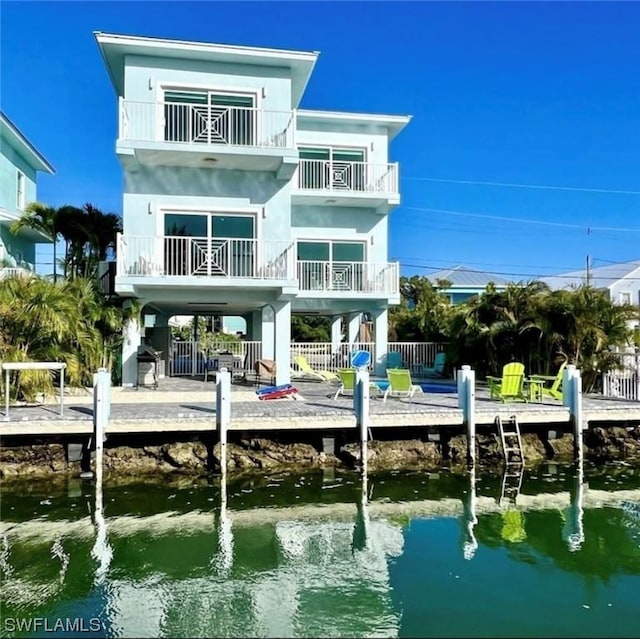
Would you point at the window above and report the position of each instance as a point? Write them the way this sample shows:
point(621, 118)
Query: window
point(332, 168)
point(625, 297)
point(210, 117)
point(20, 203)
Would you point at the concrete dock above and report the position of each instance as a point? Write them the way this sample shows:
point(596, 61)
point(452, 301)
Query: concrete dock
point(188, 405)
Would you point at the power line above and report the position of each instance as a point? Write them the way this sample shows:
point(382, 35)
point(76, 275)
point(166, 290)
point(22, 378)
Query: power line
point(584, 227)
point(525, 186)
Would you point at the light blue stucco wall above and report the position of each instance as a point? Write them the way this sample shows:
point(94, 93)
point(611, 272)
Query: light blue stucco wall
point(344, 223)
point(15, 250)
point(160, 188)
point(144, 78)
point(373, 139)
point(10, 163)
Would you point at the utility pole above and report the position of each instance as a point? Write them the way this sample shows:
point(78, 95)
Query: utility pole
point(588, 266)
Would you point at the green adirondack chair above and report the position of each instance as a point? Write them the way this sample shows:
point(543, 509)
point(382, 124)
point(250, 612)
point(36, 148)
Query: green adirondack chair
point(551, 385)
point(509, 387)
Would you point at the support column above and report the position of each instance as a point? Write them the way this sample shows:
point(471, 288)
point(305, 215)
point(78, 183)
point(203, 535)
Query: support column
point(336, 333)
point(267, 332)
point(353, 330)
point(132, 339)
point(282, 346)
point(380, 336)
point(254, 326)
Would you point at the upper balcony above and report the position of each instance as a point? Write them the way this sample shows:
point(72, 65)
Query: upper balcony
point(331, 182)
point(208, 135)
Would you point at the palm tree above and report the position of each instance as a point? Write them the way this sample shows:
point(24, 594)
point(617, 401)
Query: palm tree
point(89, 235)
point(43, 218)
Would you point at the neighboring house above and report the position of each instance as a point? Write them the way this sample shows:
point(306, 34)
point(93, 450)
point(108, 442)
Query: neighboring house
point(465, 282)
point(237, 202)
point(20, 162)
point(621, 281)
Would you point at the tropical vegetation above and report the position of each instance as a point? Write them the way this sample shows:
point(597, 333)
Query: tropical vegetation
point(526, 322)
point(63, 319)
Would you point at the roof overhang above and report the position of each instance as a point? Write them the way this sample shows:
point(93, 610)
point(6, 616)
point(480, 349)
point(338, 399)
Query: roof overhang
point(12, 134)
point(393, 123)
point(115, 47)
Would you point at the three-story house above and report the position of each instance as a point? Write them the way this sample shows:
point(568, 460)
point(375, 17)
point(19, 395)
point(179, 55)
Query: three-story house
point(237, 202)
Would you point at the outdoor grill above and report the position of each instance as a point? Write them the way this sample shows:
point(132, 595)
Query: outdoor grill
point(148, 366)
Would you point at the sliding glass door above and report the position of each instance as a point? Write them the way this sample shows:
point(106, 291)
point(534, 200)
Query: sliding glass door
point(209, 117)
point(213, 244)
point(332, 168)
point(330, 265)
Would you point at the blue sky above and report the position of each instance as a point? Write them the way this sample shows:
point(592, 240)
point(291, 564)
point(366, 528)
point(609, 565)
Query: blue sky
point(539, 93)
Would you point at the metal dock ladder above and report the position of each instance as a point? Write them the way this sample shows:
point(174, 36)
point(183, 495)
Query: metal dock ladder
point(513, 457)
point(511, 440)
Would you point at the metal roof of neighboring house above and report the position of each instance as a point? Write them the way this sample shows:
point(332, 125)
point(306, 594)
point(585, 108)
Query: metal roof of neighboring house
point(114, 47)
point(599, 276)
point(461, 276)
point(19, 141)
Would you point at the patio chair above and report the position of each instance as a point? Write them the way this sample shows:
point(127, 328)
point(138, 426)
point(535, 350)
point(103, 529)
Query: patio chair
point(400, 384)
point(551, 385)
point(307, 370)
point(348, 383)
point(509, 387)
point(437, 370)
point(394, 360)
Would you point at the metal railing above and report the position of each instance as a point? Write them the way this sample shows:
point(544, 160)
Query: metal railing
point(206, 124)
point(181, 256)
point(326, 356)
point(361, 277)
point(188, 358)
point(14, 271)
point(624, 383)
point(348, 177)
point(205, 257)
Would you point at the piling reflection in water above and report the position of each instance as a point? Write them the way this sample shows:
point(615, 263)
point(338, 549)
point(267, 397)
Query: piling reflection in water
point(337, 554)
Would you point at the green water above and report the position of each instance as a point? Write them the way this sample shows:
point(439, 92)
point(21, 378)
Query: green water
point(327, 555)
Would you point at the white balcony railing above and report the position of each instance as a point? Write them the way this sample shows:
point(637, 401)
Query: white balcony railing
point(202, 124)
point(360, 277)
point(15, 271)
point(348, 177)
point(177, 256)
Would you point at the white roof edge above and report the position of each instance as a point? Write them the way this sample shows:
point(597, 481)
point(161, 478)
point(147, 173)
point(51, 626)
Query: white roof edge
point(394, 123)
point(115, 38)
point(38, 161)
point(349, 115)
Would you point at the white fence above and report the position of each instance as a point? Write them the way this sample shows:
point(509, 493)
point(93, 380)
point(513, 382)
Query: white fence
point(188, 359)
point(325, 356)
point(624, 383)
